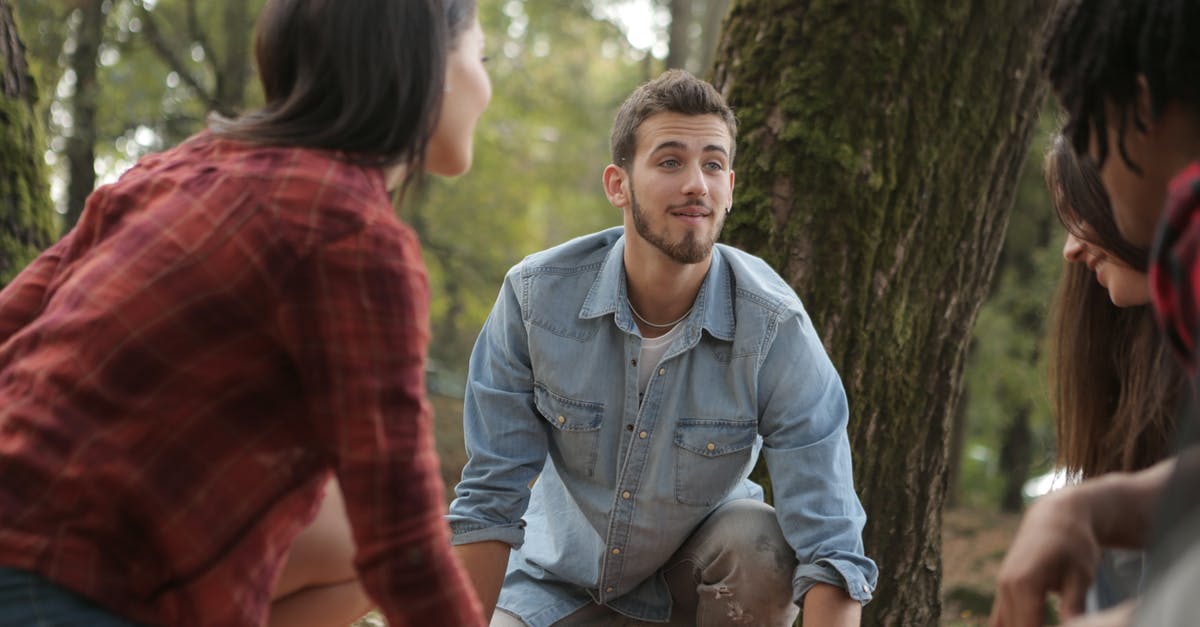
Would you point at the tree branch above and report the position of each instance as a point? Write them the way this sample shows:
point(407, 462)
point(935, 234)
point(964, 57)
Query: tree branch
point(198, 36)
point(168, 56)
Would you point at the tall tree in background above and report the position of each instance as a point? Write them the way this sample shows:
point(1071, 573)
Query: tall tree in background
point(693, 33)
point(1009, 428)
point(84, 61)
point(678, 34)
point(710, 32)
point(125, 77)
point(878, 179)
point(27, 222)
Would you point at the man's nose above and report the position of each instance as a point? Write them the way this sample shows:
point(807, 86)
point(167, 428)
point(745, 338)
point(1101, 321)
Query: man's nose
point(695, 183)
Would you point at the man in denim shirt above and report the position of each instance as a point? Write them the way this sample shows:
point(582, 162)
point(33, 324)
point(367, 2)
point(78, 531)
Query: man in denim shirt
point(631, 377)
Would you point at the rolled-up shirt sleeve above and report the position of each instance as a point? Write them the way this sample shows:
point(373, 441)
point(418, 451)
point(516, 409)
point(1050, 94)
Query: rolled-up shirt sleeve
point(506, 442)
point(804, 413)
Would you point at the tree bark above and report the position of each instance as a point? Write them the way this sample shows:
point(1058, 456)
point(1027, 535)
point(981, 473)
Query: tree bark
point(955, 451)
point(81, 145)
point(680, 44)
point(880, 150)
point(27, 222)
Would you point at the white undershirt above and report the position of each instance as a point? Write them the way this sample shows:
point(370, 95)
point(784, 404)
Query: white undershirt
point(652, 351)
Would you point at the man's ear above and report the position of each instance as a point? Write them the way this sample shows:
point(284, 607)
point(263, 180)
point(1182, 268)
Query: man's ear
point(615, 186)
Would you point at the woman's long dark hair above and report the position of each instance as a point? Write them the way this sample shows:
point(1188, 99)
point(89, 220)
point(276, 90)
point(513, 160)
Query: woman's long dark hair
point(362, 77)
point(1114, 385)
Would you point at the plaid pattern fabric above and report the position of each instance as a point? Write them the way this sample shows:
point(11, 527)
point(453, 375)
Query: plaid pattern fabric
point(1175, 269)
point(179, 374)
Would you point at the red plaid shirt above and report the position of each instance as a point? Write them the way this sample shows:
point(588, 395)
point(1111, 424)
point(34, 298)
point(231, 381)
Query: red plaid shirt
point(1175, 269)
point(179, 373)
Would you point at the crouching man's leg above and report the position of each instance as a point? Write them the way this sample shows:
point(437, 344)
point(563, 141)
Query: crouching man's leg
point(736, 569)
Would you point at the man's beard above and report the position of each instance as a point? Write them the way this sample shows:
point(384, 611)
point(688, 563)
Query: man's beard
point(689, 250)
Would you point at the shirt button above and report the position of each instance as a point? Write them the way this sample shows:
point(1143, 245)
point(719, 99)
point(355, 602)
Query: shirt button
point(609, 589)
point(866, 588)
point(616, 551)
point(561, 420)
point(629, 427)
point(632, 362)
point(710, 446)
point(662, 371)
point(643, 435)
point(626, 494)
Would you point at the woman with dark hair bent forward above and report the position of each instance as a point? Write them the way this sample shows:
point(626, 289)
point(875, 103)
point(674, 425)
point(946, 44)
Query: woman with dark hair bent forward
point(232, 321)
point(1114, 384)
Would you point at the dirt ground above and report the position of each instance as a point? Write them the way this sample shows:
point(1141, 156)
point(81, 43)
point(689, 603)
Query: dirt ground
point(973, 541)
point(973, 545)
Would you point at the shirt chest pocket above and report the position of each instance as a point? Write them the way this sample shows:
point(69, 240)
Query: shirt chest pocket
point(575, 429)
point(711, 456)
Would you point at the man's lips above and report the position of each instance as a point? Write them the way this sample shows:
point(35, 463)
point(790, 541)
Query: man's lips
point(691, 211)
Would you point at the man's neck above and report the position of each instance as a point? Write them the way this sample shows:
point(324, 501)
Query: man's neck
point(661, 290)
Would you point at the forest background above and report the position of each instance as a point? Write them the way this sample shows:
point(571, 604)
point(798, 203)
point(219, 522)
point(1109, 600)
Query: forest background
point(117, 79)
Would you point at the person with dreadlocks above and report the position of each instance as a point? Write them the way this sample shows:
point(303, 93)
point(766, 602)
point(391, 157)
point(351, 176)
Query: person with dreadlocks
point(1126, 73)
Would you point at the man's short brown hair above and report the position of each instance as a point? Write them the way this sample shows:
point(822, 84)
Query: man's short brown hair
point(675, 91)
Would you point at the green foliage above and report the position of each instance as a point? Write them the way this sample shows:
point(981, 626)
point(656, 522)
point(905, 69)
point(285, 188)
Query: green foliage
point(558, 75)
point(145, 103)
point(1006, 371)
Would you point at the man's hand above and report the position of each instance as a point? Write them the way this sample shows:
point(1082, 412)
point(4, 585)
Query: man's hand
point(1057, 546)
point(1055, 550)
point(1119, 616)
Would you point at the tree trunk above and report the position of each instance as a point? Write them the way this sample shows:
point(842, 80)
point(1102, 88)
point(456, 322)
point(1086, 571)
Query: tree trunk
point(233, 73)
point(958, 441)
point(710, 32)
point(880, 149)
point(680, 38)
point(81, 145)
point(27, 223)
point(1016, 455)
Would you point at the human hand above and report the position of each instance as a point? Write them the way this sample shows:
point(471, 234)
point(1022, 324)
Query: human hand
point(1055, 550)
point(1119, 616)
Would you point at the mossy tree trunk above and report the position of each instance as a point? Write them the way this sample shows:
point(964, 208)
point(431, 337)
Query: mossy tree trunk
point(27, 220)
point(880, 148)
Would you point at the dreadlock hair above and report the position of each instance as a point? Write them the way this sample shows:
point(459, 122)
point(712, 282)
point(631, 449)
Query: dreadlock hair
point(1114, 384)
point(1097, 50)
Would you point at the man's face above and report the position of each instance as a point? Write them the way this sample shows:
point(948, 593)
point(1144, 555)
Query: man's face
point(1137, 199)
point(675, 191)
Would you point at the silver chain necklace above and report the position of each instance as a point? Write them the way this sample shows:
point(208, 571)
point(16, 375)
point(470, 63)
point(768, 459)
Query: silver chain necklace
point(658, 326)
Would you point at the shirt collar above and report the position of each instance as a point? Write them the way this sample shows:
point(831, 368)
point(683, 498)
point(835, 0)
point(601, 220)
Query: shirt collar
point(714, 304)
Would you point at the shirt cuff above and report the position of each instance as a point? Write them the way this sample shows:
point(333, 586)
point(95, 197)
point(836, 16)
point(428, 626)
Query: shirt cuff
point(839, 573)
point(469, 532)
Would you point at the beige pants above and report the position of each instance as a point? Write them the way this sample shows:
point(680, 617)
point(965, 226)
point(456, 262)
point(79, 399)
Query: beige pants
point(736, 569)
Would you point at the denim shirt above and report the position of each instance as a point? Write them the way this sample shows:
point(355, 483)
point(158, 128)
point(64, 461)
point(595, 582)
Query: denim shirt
point(618, 486)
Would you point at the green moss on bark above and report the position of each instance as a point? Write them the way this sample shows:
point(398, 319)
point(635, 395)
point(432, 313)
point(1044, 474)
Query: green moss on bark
point(27, 220)
point(880, 148)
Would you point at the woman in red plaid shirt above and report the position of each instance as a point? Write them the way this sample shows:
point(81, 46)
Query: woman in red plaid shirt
point(231, 321)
